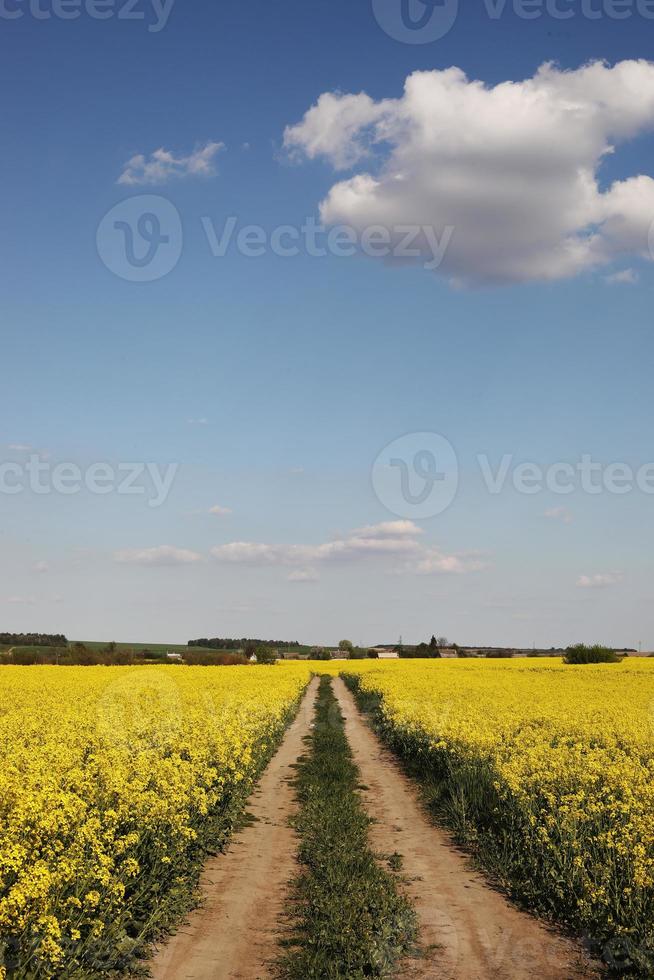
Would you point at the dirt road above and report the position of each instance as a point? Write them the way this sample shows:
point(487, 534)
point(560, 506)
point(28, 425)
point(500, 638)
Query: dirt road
point(474, 932)
point(234, 934)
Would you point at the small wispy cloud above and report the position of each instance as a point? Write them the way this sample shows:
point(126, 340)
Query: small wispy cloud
point(252, 553)
point(40, 566)
point(626, 277)
point(164, 554)
point(599, 580)
point(559, 514)
point(218, 511)
point(304, 575)
point(162, 165)
point(21, 600)
point(200, 421)
point(388, 529)
point(20, 447)
point(435, 562)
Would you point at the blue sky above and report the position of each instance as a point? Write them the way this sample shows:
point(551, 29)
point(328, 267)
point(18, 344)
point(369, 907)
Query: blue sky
point(274, 383)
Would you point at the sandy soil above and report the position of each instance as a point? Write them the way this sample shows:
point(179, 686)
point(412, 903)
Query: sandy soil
point(468, 931)
point(235, 932)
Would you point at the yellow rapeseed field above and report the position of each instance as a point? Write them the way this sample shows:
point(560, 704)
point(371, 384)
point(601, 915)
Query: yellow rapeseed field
point(112, 782)
point(548, 770)
point(115, 780)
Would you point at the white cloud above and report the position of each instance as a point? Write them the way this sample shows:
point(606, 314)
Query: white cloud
point(626, 277)
point(19, 447)
point(388, 529)
point(162, 165)
point(392, 541)
point(162, 555)
point(512, 168)
point(304, 575)
point(219, 511)
point(337, 127)
point(357, 547)
point(435, 562)
point(41, 566)
point(599, 581)
point(344, 549)
point(248, 552)
point(200, 421)
point(559, 514)
point(21, 600)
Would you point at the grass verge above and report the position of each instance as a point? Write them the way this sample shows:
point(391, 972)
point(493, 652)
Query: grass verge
point(348, 916)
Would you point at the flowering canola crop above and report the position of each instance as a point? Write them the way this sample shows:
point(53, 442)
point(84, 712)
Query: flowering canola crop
point(548, 770)
point(113, 781)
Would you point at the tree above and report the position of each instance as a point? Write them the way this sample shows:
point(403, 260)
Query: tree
point(433, 649)
point(265, 655)
point(319, 653)
point(582, 654)
point(346, 646)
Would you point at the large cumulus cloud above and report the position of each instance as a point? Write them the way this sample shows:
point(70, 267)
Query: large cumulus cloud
point(514, 169)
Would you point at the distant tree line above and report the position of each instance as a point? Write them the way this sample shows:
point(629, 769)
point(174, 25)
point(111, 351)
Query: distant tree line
point(79, 655)
point(33, 639)
point(111, 655)
point(226, 643)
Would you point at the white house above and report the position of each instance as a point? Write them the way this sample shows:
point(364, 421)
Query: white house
point(384, 654)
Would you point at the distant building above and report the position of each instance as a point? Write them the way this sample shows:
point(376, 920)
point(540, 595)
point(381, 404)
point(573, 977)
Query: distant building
point(383, 653)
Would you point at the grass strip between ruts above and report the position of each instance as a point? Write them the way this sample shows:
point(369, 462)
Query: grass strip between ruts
point(348, 917)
